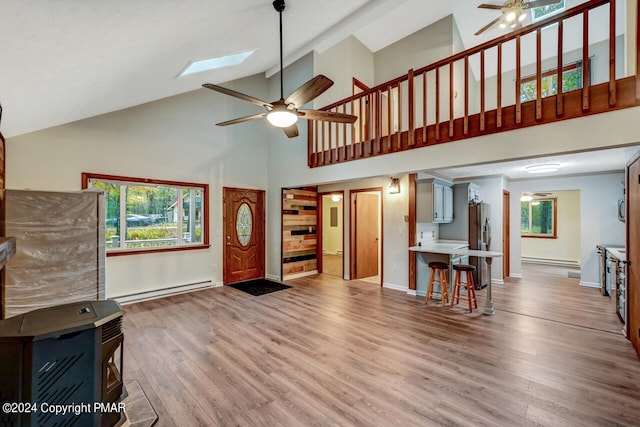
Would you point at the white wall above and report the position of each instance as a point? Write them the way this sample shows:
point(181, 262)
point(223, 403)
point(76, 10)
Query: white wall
point(171, 139)
point(599, 196)
point(566, 245)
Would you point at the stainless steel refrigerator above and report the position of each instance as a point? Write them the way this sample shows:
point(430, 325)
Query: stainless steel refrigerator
point(479, 239)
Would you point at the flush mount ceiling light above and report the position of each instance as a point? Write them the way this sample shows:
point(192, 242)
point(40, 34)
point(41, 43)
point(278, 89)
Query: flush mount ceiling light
point(526, 197)
point(336, 198)
point(215, 63)
point(543, 168)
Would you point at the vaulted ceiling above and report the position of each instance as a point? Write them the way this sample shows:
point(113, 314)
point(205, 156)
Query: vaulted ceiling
point(65, 60)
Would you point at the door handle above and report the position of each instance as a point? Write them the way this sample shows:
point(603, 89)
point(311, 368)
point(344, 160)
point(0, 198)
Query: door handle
point(228, 244)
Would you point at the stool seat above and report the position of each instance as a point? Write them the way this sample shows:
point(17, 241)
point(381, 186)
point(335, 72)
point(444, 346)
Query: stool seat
point(465, 269)
point(441, 268)
point(438, 265)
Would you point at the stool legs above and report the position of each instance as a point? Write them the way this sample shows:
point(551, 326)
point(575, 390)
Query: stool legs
point(444, 287)
point(471, 290)
point(430, 288)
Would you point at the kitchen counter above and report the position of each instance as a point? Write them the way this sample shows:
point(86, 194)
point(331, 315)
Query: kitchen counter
point(456, 248)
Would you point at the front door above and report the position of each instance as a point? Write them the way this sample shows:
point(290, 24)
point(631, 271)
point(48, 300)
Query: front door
point(365, 213)
point(243, 249)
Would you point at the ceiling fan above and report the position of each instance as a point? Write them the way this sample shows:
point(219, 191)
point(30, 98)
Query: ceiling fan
point(513, 12)
point(284, 113)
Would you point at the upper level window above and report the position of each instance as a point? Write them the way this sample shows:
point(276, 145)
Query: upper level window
point(538, 218)
point(542, 12)
point(144, 215)
point(571, 80)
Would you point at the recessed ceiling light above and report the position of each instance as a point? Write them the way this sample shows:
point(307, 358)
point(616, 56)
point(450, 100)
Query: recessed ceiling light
point(543, 168)
point(214, 63)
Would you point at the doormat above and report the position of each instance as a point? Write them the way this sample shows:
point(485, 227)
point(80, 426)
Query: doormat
point(259, 286)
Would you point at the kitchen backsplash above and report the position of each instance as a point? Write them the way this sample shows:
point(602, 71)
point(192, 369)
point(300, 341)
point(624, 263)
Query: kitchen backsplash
point(427, 232)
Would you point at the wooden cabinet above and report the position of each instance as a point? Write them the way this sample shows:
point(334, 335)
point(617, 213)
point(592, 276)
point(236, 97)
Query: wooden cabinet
point(434, 201)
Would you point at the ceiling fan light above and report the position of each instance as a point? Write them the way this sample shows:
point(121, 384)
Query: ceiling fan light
point(526, 198)
point(510, 17)
point(282, 118)
point(503, 25)
point(522, 17)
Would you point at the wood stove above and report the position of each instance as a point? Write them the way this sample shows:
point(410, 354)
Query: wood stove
point(62, 366)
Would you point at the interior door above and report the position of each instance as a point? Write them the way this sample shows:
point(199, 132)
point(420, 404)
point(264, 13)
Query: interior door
point(367, 241)
point(243, 224)
point(633, 252)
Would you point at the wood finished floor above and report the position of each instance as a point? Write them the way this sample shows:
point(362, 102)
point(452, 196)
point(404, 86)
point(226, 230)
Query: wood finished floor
point(330, 352)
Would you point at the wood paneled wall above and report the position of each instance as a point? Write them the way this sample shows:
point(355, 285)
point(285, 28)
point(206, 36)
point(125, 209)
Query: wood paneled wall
point(299, 228)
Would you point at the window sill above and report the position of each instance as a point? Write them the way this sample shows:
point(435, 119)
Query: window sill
point(157, 250)
point(534, 236)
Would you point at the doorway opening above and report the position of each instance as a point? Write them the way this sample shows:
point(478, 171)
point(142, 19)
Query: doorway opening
point(331, 234)
point(366, 233)
point(550, 227)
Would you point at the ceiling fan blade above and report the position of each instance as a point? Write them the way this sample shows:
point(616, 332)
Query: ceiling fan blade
point(309, 91)
point(489, 25)
point(291, 131)
point(238, 95)
point(242, 119)
point(490, 6)
point(540, 3)
point(327, 116)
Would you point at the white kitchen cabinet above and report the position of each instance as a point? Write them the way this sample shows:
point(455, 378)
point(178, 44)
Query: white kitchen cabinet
point(434, 201)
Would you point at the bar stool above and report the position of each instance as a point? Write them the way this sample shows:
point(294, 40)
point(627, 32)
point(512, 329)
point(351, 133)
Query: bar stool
point(457, 284)
point(441, 267)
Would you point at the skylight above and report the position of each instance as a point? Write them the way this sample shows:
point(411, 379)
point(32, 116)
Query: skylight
point(214, 63)
point(539, 13)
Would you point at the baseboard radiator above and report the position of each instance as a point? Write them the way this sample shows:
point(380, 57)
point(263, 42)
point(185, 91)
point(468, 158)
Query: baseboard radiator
point(549, 261)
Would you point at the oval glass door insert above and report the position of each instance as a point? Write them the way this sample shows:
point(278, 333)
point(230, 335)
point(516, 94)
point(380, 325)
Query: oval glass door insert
point(244, 224)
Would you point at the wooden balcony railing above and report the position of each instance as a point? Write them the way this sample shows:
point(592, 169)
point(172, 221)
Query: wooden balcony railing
point(571, 65)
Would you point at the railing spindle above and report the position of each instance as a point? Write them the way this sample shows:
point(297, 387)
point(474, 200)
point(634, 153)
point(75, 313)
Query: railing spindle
point(411, 109)
point(390, 117)
point(370, 118)
point(451, 92)
point(424, 107)
point(538, 74)
point(378, 111)
point(518, 84)
point(353, 133)
point(585, 60)
point(559, 95)
point(482, 89)
point(466, 95)
point(330, 125)
point(438, 104)
point(499, 84)
point(399, 116)
point(344, 133)
point(317, 132)
point(612, 53)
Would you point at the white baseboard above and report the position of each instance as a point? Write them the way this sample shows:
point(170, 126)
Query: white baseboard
point(590, 284)
point(515, 275)
point(497, 282)
point(395, 287)
point(411, 292)
point(298, 275)
point(161, 293)
point(275, 277)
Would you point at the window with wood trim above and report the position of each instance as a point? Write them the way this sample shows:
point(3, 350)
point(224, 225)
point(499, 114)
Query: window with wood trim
point(538, 218)
point(571, 80)
point(145, 215)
